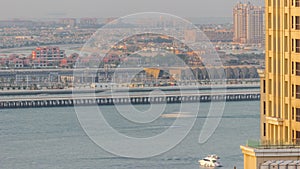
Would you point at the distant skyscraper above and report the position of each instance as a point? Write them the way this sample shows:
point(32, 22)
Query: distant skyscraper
point(248, 22)
point(68, 22)
point(280, 90)
point(88, 21)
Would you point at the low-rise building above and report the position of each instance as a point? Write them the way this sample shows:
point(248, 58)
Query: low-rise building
point(47, 56)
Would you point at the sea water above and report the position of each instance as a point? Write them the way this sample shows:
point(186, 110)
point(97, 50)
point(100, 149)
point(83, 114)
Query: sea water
point(47, 138)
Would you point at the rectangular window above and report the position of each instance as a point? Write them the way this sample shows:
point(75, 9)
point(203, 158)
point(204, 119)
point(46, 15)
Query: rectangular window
point(286, 92)
point(298, 136)
point(285, 21)
point(297, 22)
point(286, 45)
point(286, 134)
point(298, 68)
point(274, 110)
point(270, 86)
point(293, 47)
point(264, 129)
point(270, 110)
point(297, 92)
point(270, 42)
point(269, 21)
point(264, 107)
point(286, 66)
point(293, 68)
point(297, 45)
point(264, 86)
point(293, 91)
point(297, 3)
point(298, 114)
point(270, 64)
point(269, 3)
point(293, 113)
point(286, 113)
point(292, 22)
point(285, 3)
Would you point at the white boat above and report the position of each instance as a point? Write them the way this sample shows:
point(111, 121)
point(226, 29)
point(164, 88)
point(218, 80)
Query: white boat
point(210, 161)
point(214, 156)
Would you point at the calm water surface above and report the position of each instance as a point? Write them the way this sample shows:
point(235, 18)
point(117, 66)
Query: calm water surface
point(45, 138)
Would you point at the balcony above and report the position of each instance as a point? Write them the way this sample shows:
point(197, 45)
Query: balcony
point(274, 120)
point(278, 144)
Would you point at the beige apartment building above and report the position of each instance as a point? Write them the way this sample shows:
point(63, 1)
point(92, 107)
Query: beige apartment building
point(248, 24)
point(280, 88)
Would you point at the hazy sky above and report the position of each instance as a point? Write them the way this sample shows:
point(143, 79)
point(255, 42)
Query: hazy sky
point(114, 8)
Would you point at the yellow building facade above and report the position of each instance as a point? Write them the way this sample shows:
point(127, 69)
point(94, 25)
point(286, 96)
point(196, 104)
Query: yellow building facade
point(280, 103)
point(280, 87)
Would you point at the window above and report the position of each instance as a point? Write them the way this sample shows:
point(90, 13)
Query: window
point(285, 3)
point(298, 68)
point(297, 137)
point(293, 91)
point(270, 42)
point(264, 86)
point(297, 22)
point(270, 86)
point(270, 64)
point(286, 91)
point(269, 21)
point(297, 45)
point(286, 133)
point(297, 3)
point(293, 69)
point(293, 47)
point(293, 113)
point(297, 92)
point(285, 21)
point(298, 114)
point(264, 129)
point(264, 107)
point(286, 45)
point(285, 66)
point(292, 22)
point(286, 113)
point(274, 110)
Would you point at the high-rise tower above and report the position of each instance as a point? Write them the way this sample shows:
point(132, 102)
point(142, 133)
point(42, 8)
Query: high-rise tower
point(280, 87)
point(248, 24)
point(280, 103)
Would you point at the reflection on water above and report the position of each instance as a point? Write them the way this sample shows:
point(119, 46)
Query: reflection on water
point(179, 115)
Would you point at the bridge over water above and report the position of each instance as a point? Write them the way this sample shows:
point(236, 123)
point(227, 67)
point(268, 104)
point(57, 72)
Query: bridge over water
point(136, 98)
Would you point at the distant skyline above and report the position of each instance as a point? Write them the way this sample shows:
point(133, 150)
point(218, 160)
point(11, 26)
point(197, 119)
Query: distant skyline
point(42, 9)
